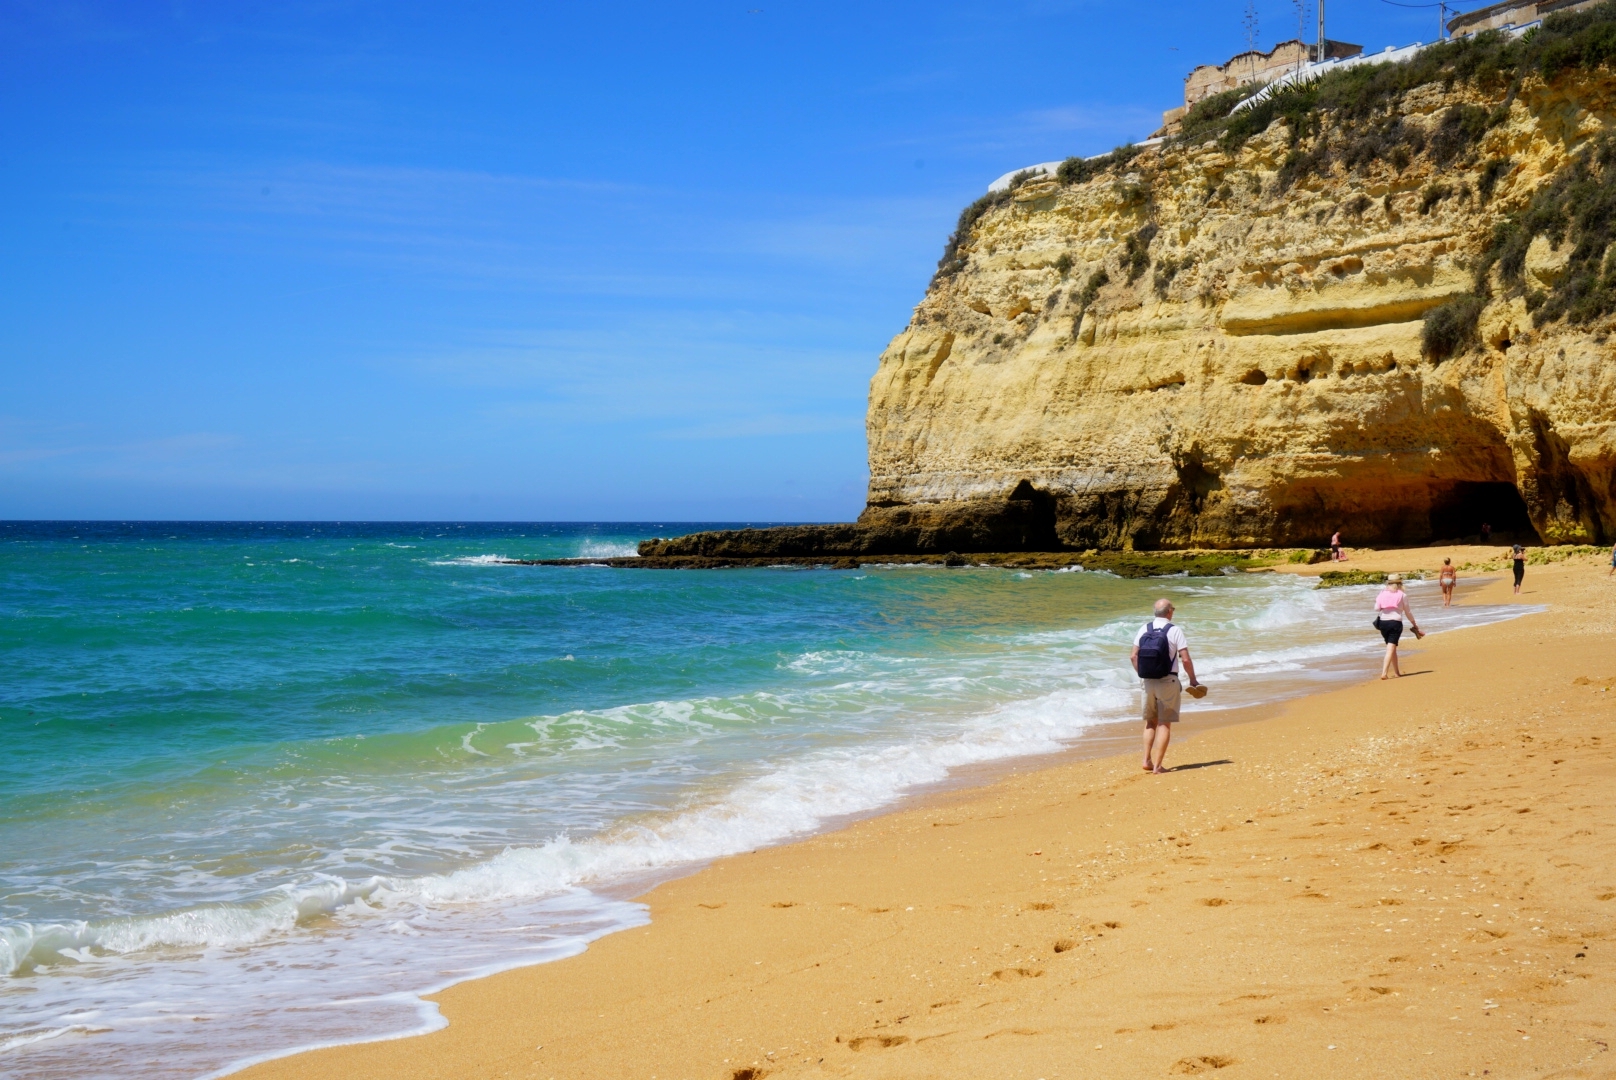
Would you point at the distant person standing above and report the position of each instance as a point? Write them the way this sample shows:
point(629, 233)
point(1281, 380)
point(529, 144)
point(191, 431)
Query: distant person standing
point(1158, 649)
point(1612, 562)
point(1518, 554)
point(1486, 534)
point(1448, 578)
point(1335, 546)
point(1391, 608)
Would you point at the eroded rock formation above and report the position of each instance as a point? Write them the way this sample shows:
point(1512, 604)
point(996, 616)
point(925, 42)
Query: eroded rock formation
point(1261, 380)
point(1198, 349)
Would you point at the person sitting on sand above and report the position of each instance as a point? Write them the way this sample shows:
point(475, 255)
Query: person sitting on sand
point(1158, 649)
point(1447, 579)
point(1391, 608)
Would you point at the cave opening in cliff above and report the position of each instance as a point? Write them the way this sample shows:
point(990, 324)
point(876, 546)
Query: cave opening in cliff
point(1460, 510)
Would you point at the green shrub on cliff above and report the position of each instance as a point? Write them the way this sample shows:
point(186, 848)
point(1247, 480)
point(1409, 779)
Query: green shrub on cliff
point(1076, 170)
point(1097, 280)
point(1578, 207)
point(1207, 114)
point(1451, 328)
point(1136, 253)
point(1490, 175)
point(952, 262)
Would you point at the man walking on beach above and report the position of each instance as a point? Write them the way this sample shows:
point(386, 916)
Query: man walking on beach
point(1158, 649)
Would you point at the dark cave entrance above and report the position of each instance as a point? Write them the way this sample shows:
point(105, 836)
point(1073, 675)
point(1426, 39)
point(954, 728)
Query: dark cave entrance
point(1458, 511)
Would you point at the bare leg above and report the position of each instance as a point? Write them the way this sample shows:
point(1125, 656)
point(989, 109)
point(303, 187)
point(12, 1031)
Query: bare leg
point(1396, 668)
point(1389, 665)
point(1158, 750)
point(1447, 595)
point(1150, 737)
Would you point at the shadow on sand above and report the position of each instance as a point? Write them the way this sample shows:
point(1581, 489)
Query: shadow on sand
point(1200, 765)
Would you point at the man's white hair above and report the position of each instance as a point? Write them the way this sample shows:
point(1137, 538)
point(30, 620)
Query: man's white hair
point(1163, 606)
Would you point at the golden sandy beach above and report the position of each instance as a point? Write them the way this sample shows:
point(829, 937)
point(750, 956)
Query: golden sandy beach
point(1403, 879)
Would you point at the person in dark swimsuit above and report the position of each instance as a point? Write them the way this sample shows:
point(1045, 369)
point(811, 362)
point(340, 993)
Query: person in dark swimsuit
point(1519, 555)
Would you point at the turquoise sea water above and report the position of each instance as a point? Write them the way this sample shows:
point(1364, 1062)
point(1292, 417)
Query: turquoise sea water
point(267, 783)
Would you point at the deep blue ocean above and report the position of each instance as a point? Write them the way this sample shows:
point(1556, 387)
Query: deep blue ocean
point(266, 783)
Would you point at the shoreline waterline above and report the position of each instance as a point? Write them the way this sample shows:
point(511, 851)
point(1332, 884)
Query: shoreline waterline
point(1116, 738)
point(863, 911)
point(987, 725)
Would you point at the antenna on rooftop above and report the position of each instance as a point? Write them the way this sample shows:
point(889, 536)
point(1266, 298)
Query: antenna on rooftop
point(1301, 30)
point(1320, 56)
point(1250, 24)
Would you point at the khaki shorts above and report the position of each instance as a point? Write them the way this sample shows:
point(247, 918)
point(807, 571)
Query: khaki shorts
point(1161, 699)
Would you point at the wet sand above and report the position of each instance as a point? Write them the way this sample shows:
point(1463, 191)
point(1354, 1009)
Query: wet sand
point(1412, 878)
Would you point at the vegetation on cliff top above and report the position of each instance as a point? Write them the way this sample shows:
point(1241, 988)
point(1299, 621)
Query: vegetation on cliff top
point(1352, 119)
point(1360, 102)
point(1072, 171)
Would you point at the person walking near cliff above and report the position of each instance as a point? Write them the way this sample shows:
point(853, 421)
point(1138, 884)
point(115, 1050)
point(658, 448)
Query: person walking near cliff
point(1158, 649)
point(1391, 608)
point(1448, 578)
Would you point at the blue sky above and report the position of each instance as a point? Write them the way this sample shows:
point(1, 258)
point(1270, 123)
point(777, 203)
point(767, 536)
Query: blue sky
point(522, 261)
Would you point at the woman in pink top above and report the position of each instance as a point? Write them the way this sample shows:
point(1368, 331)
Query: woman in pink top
point(1391, 608)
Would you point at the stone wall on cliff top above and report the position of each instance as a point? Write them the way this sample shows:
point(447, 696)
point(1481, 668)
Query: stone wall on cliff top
point(1254, 375)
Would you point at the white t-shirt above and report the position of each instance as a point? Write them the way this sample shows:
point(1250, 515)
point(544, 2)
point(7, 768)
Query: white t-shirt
point(1175, 639)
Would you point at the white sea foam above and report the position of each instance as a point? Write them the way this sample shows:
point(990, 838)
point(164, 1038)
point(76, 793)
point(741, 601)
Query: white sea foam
point(607, 549)
point(474, 560)
point(861, 730)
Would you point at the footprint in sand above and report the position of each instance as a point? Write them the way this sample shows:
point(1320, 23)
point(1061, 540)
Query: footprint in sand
point(877, 1042)
point(1214, 901)
point(1065, 944)
point(1203, 1063)
point(1269, 1020)
point(1012, 974)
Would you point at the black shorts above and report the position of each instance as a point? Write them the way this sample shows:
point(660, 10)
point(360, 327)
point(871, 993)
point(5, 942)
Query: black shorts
point(1390, 629)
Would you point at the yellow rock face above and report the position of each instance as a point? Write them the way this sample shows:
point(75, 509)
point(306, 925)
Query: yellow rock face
point(1260, 381)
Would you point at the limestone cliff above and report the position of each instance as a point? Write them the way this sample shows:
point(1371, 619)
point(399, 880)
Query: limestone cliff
point(1242, 339)
point(1259, 376)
